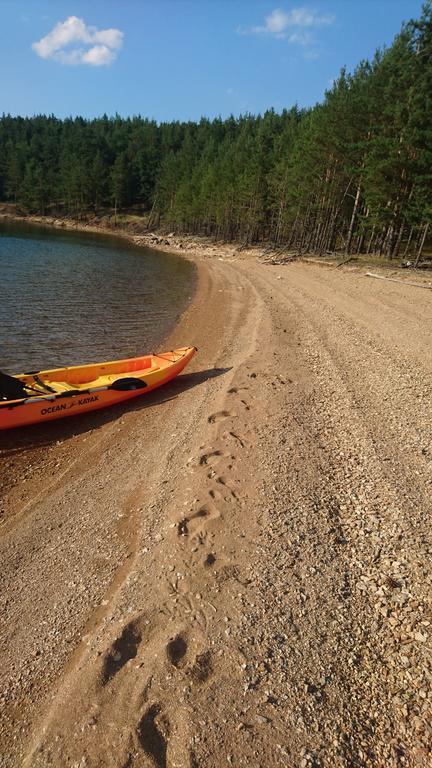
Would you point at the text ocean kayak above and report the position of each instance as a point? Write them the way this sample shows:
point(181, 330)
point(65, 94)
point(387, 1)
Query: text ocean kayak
point(41, 396)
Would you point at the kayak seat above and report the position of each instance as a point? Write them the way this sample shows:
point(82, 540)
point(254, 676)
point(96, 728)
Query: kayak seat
point(101, 381)
point(112, 377)
point(62, 386)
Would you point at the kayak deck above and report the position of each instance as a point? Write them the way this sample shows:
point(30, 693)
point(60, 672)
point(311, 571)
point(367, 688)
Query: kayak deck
point(77, 382)
point(85, 377)
point(66, 391)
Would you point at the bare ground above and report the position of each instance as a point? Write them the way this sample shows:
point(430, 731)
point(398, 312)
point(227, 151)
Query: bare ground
point(236, 571)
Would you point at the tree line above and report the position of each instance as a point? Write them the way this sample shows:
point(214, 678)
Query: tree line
point(352, 173)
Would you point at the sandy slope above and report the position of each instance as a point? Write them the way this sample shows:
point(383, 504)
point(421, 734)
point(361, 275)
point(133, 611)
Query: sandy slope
point(237, 572)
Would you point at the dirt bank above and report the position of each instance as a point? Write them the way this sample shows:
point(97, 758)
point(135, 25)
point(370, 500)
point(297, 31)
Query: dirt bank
point(237, 571)
point(134, 230)
point(188, 246)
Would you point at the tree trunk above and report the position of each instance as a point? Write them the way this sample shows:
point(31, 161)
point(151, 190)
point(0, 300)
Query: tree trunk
point(369, 247)
point(352, 222)
point(150, 218)
point(382, 240)
point(422, 242)
point(389, 238)
point(398, 242)
point(408, 243)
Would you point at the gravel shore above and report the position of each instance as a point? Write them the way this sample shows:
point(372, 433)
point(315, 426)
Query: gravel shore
point(236, 570)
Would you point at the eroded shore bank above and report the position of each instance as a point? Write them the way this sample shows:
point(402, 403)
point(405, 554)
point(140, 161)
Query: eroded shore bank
point(235, 571)
point(187, 245)
point(201, 247)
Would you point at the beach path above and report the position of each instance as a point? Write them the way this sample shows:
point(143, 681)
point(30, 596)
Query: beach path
point(235, 570)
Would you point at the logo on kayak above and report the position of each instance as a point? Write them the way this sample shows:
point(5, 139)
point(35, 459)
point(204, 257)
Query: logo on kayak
point(67, 406)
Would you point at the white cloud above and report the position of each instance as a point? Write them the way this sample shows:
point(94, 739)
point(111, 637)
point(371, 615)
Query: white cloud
point(98, 55)
point(280, 23)
point(300, 38)
point(275, 23)
point(74, 42)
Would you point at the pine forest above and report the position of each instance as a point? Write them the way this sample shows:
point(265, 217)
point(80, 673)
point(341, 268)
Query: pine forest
point(351, 174)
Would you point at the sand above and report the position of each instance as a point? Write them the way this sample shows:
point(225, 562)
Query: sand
point(234, 570)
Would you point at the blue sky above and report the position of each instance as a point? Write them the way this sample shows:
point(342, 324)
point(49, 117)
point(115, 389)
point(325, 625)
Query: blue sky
point(181, 59)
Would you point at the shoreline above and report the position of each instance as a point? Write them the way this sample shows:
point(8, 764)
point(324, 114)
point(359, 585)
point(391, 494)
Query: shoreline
point(196, 247)
point(184, 245)
point(216, 570)
point(54, 224)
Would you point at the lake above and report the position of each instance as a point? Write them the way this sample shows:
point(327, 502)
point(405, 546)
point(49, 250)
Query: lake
point(68, 298)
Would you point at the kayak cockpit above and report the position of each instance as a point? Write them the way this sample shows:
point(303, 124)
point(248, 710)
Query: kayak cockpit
point(37, 396)
point(11, 388)
point(27, 386)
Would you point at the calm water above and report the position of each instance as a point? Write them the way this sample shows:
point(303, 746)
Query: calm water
point(68, 298)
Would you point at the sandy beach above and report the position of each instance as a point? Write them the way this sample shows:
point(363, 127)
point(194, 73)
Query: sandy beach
point(236, 569)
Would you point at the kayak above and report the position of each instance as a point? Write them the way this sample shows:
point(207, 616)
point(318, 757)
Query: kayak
point(40, 396)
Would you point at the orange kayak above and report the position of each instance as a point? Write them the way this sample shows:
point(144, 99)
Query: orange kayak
point(41, 396)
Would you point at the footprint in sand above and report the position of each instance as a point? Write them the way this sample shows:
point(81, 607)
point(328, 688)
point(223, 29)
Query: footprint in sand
point(202, 667)
point(209, 560)
point(195, 524)
point(220, 416)
point(221, 480)
point(199, 668)
point(234, 390)
point(213, 457)
point(235, 437)
point(215, 495)
point(176, 650)
point(153, 732)
point(124, 648)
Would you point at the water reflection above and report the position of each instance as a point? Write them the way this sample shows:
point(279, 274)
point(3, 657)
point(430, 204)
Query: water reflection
point(68, 298)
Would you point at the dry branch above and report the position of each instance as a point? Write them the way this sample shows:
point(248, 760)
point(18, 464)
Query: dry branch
point(345, 261)
point(395, 280)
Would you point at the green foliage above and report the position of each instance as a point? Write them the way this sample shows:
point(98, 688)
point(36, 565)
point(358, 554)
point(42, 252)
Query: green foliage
point(353, 173)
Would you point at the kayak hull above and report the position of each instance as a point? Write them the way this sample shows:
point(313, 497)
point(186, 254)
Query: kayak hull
point(149, 373)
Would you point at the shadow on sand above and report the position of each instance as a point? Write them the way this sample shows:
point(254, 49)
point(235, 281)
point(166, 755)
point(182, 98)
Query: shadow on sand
point(17, 441)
